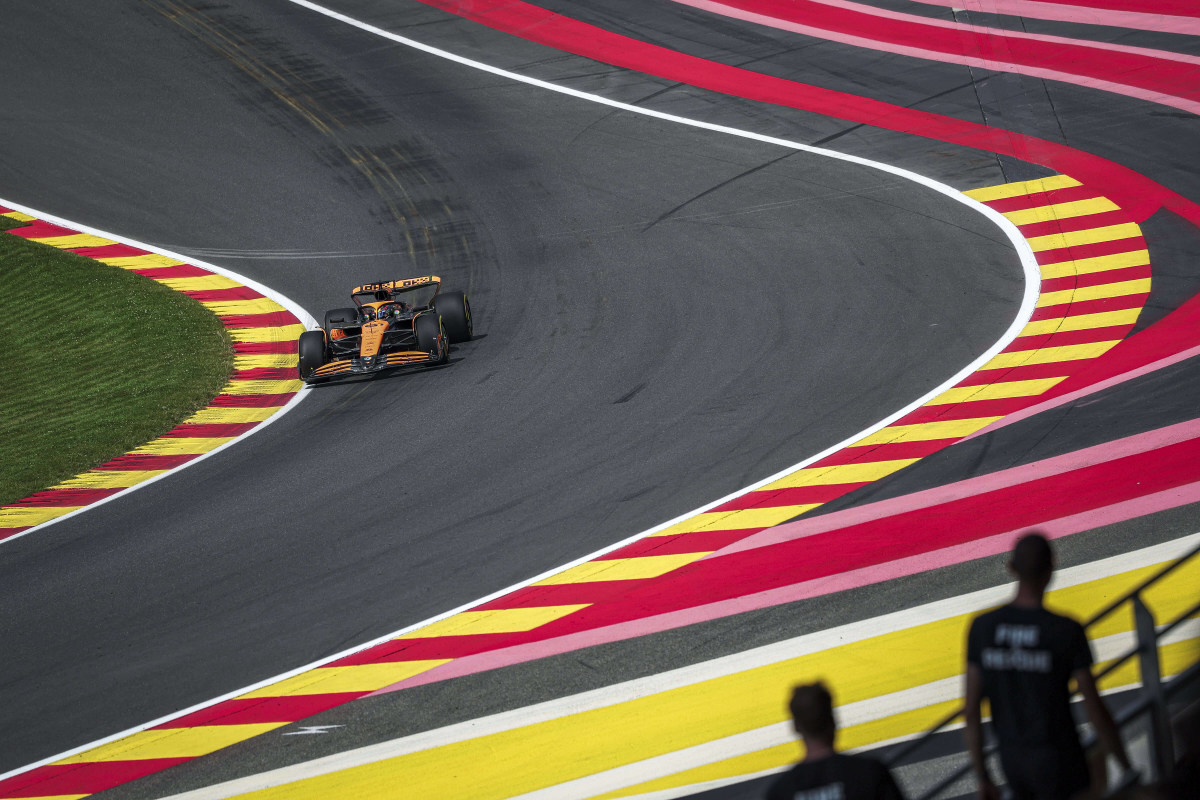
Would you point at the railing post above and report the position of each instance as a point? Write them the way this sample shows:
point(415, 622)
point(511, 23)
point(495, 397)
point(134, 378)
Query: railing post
point(1161, 744)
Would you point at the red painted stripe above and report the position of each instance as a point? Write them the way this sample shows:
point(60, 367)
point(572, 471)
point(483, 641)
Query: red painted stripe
point(263, 709)
point(39, 229)
point(1066, 338)
point(137, 462)
point(796, 496)
point(224, 295)
point(7, 532)
point(1056, 471)
point(263, 348)
point(251, 400)
point(1070, 224)
point(173, 273)
point(1137, 74)
point(1090, 307)
point(696, 542)
point(265, 374)
point(65, 497)
point(881, 540)
point(972, 409)
point(1031, 373)
point(425, 649)
point(883, 452)
point(1135, 193)
point(1080, 13)
point(110, 251)
point(273, 320)
point(208, 430)
point(1081, 251)
point(87, 778)
point(1070, 194)
point(1096, 278)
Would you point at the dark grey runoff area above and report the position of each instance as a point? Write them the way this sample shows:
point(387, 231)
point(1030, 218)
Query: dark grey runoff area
point(755, 305)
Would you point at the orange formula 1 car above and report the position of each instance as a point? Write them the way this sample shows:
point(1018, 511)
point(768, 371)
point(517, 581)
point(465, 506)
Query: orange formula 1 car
point(394, 324)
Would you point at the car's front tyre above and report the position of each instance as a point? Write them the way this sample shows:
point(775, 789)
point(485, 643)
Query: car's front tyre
point(311, 352)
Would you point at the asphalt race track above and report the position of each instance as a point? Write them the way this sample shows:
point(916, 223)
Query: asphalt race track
point(665, 315)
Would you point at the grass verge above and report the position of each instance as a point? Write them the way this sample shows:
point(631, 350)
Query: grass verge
point(97, 361)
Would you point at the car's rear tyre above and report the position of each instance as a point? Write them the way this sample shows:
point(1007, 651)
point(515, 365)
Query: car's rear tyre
point(456, 315)
point(428, 327)
point(311, 352)
point(341, 318)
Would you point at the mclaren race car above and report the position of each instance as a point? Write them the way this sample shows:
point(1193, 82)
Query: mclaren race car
point(393, 324)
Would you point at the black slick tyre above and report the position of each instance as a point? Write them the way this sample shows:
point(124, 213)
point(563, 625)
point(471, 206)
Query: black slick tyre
point(311, 352)
point(428, 327)
point(456, 315)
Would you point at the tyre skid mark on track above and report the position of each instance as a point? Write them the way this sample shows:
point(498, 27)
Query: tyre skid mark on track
point(263, 325)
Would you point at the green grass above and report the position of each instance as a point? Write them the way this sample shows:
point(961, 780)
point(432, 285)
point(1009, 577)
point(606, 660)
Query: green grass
point(97, 361)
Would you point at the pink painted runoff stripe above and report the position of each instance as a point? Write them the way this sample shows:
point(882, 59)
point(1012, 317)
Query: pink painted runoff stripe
point(852, 579)
point(1080, 459)
point(1064, 12)
point(1149, 77)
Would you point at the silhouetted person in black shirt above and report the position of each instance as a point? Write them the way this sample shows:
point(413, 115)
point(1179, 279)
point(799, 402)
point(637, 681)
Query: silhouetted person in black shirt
point(1022, 658)
point(825, 774)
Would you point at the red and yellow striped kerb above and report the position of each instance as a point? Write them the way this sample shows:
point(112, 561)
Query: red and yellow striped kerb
point(1095, 280)
point(264, 374)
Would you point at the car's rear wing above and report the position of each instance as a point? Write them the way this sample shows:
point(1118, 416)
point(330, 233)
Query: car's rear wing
point(393, 288)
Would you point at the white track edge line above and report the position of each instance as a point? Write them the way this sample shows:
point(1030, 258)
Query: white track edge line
point(1024, 251)
point(302, 315)
point(714, 669)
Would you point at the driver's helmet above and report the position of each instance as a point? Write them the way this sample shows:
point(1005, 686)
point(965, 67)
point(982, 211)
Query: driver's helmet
point(368, 314)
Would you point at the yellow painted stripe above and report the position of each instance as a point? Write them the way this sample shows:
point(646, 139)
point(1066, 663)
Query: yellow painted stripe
point(182, 446)
point(261, 305)
point(28, 516)
point(109, 478)
point(332, 680)
point(19, 217)
point(1104, 290)
point(737, 520)
point(926, 431)
point(1050, 355)
point(1078, 208)
point(262, 387)
point(264, 360)
point(203, 283)
point(1021, 188)
point(1108, 233)
point(622, 569)
point(219, 415)
point(842, 473)
point(148, 261)
point(56, 797)
point(1087, 266)
point(501, 620)
point(172, 743)
point(574, 745)
point(906, 723)
point(994, 391)
point(281, 333)
point(1081, 322)
point(75, 240)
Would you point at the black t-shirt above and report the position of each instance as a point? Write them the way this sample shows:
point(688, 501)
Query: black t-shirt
point(838, 777)
point(1026, 656)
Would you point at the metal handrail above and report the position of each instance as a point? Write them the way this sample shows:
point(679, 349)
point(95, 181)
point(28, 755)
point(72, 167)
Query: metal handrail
point(1127, 715)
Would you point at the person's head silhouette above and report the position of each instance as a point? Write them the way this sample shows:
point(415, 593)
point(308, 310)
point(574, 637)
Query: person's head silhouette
point(1032, 563)
point(812, 714)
